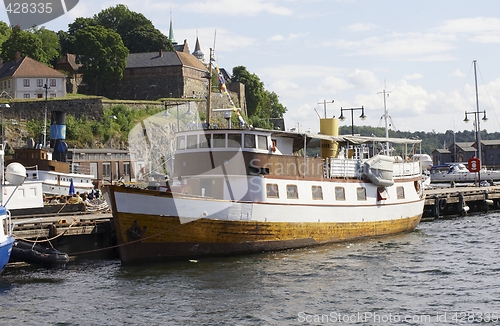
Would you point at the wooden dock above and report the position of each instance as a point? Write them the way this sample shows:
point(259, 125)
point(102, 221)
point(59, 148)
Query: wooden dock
point(77, 234)
point(460, 201)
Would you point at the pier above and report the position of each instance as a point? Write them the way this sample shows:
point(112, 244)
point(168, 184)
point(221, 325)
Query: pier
point(450, 202)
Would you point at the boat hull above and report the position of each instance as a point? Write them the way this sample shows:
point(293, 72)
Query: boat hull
point(157, 236)
point(171, 240)
point(5, 251)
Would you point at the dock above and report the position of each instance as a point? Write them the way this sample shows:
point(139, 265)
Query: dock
point(77, 234)
point(447, 202)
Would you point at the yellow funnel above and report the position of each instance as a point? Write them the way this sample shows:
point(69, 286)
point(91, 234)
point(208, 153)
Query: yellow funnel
point(330, 127)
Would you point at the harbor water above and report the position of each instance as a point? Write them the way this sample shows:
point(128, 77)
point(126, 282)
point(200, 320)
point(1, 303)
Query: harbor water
point(446, 272)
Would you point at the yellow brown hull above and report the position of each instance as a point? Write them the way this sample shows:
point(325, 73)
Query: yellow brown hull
point(161, 238)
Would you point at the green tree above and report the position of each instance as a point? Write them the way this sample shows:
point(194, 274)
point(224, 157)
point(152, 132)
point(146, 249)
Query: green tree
point(67, 39)
point(261, 104)
point(138, 32)
point(50, 44)
point(5, 32)
point(101, 52)
point(25, 42)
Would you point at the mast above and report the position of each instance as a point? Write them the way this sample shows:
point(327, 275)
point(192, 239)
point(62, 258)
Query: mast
point(209, 86)
point(478, 130)
point(386, 116)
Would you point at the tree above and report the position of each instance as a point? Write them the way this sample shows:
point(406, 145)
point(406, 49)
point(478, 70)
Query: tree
point(262, 105)
point(101, 52)
point(146, 39)
point(4, 32)
point(138, 32)
point(67, 39)
point(25, 42)
point(50, 44)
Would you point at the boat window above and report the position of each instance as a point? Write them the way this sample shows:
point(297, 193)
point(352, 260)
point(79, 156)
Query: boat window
point(249, 141)
point(339, 193)
point(234, 140)
point(262, 142)
point(317, 192)
point(292, 192)
point(361, 193)
point(382, 193)
point(400, 191)
point(205, 141)
point(219, 140)
point(192, 141)
point(272, 190)
point(181, 142)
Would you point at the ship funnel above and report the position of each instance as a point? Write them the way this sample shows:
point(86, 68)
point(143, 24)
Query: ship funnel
point(330, 127)
point(58, 135)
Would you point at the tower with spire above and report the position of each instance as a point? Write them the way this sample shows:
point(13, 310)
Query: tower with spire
point(171, 31)
point(197, 51)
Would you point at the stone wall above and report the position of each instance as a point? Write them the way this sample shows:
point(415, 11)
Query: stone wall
point(35, 110)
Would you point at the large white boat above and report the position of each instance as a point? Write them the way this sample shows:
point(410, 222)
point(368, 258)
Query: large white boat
point(251, 190)
point(56, 177)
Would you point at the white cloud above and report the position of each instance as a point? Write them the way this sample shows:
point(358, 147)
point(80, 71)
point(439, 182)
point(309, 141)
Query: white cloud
point(457, 73)
point(289, 37)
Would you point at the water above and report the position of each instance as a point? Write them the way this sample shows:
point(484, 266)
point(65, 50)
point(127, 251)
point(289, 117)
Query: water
point(445, 273)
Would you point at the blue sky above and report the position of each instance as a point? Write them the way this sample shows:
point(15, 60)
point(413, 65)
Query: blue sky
point(309, 51)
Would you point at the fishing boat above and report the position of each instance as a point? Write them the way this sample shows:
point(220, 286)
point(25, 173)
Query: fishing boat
point(242, 191)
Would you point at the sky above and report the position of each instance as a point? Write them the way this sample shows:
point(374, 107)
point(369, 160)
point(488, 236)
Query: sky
point(345, 53)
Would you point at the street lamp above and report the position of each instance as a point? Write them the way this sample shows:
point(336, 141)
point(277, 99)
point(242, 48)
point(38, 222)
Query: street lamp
point(478, 136)
point(362, 116)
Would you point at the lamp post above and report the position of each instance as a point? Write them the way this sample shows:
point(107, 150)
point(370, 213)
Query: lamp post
point(362, 116)
point(478, 136)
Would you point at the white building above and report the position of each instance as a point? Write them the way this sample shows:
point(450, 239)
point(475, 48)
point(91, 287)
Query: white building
point(28, 78)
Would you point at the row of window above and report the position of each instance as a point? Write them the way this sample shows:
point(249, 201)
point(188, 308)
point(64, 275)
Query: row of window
point(100, 156)
point(27, 95)
point(222, 140)
point(272, 191)
point(39, 82)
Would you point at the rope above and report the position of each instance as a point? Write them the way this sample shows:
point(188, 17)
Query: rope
point(47, 240)
point(126, 243)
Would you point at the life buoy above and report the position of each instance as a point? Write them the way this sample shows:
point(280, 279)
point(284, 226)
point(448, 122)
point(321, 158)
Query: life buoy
point(273, 149)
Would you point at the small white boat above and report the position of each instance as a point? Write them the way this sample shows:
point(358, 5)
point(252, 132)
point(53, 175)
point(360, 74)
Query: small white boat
point(458, 172)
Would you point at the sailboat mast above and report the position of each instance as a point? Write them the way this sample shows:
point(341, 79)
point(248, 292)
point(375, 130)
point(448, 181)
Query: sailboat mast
point(478, 130)
point(386, 116)
point(209, 109)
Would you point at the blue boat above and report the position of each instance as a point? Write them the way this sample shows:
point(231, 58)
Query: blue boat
point(6, 238)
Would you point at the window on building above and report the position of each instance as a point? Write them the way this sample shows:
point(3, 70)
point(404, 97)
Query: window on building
point(361, 193)
point(219, 140)
point(52, 82)
point(26, 82)
point(39, 82)
point(249, 141)
point(272, 190)
point(339, 193)
point(205, 141)
point(262, 142)
point(181, 142)
point(292, 192)
point(400, 191)
point(52, 95)
point(317, 192)
point(26, 95)
point(106, 170)
point(192, 141)
point(234, 140)
point(39, 95)
point(126, 168)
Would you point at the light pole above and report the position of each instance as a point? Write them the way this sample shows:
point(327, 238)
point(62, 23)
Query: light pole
point(478, 136)
point(362, 116)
